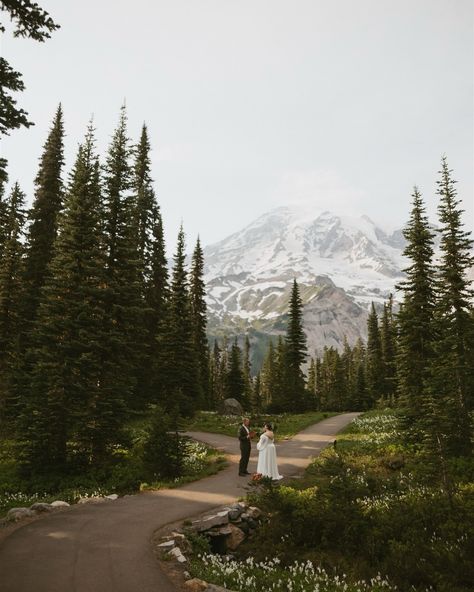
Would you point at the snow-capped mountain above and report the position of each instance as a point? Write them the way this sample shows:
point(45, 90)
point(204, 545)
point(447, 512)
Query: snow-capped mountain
point(341, 263)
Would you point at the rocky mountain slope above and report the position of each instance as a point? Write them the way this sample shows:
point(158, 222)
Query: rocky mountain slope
point(342, 263)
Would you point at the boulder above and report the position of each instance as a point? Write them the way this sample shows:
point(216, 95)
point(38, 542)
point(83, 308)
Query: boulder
point(211, 521)
point(40, 507)
point(16, 514)
point(236, 536)
point(195, 585)
point(215, 588)
point(176, 553)
point(60, 504)
point(167, 545)
point(230, 407)
point(254, 512)
point(112, 496)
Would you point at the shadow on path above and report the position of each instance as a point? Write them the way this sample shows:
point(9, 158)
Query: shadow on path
point(106, 547)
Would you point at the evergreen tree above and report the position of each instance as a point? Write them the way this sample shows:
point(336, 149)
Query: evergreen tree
point(311, 384)
point(152, 271)
point(388, 340)
point(215, 380)
point(156, 307)
point(416, 334)
point(375, 368)
point(248, 395)
point(3, 214)
point(360, 400)
point(199, 320)
point(123, 264)
point(74, 408)
point(235, 379)
point(296, 353)
point(44, 216)
point(267, 377)
point(257, 395)
point(180, 362)
point(11, 293)
point(452, 380)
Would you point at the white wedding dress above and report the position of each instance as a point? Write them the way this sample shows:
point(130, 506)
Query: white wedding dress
point(267, 458)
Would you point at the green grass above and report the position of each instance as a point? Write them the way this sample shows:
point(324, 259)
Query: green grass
point(370, 504)
point(124, 476)
point(286, 424)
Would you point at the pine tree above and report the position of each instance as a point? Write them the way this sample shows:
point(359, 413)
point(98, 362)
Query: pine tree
point(199, 320)
point(311, 385)
point(248, 395)
point(75, 405)
point(156, 306)
point(452, 380)
point(147, 228)
point(44, 215)
point(268, 376)
point(235, 380)
point(257, 395)
point(360, 400)
point(375, 368)
point(180, 361)
point(3, 213)
point(416, 334)
point(215, 380)
point(388, 340)
point(123, 264)
point(11, 293)
point(296, 353)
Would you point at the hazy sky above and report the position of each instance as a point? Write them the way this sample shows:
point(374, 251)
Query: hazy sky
point(252, 104)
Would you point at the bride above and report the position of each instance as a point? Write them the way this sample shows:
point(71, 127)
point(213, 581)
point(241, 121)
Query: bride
point(267, 460)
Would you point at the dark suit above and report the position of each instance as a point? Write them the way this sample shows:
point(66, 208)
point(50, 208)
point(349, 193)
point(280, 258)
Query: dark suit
point(244, 449)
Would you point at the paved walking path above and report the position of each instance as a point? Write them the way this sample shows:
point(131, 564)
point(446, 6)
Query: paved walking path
point(106, 547)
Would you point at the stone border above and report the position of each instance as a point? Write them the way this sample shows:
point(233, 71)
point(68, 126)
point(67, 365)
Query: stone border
point(226, 528)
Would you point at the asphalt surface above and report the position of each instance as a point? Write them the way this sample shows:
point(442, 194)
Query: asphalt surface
point(106, 547)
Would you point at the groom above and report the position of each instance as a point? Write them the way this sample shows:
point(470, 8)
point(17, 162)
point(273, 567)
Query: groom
point(244, 438)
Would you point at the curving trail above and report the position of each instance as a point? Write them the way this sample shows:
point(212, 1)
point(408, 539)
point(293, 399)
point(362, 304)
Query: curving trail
point(106, 547)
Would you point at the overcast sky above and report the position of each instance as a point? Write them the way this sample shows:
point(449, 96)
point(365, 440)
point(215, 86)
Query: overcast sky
point(253, 104)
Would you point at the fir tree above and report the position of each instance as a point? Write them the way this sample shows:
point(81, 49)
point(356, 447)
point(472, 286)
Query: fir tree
point(199, 320)
point(248, 395)
point(180, 361)
point(235, 379)
point(75, 405)
point(123, 264)
point(152, 273)
point(416, 334)
point(452, 380)
point(311, 385)
point(296, 353)
point(375, 368)
point(11, 292)
point(388, 341)
point(268, 376)
point(44, 216)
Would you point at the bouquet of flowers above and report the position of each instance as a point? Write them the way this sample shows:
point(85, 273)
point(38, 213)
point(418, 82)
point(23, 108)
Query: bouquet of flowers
point(256, 476)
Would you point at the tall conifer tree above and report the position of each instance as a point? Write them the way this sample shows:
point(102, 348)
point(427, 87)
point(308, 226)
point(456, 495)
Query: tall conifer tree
point(44, 214)
point(375, 368)
point(180, 361)
point(296, 353)
point(416, 334)
point(452, 381)
point(199, 320)
point(11, 293)
point(75, 407)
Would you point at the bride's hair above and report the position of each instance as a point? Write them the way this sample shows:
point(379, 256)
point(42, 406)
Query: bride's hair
point(269, 426)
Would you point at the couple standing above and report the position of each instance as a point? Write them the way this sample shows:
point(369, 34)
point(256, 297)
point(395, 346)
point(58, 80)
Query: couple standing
point(267, 460)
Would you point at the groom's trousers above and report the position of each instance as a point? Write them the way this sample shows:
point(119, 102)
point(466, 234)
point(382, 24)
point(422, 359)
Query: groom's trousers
point(244, 456)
